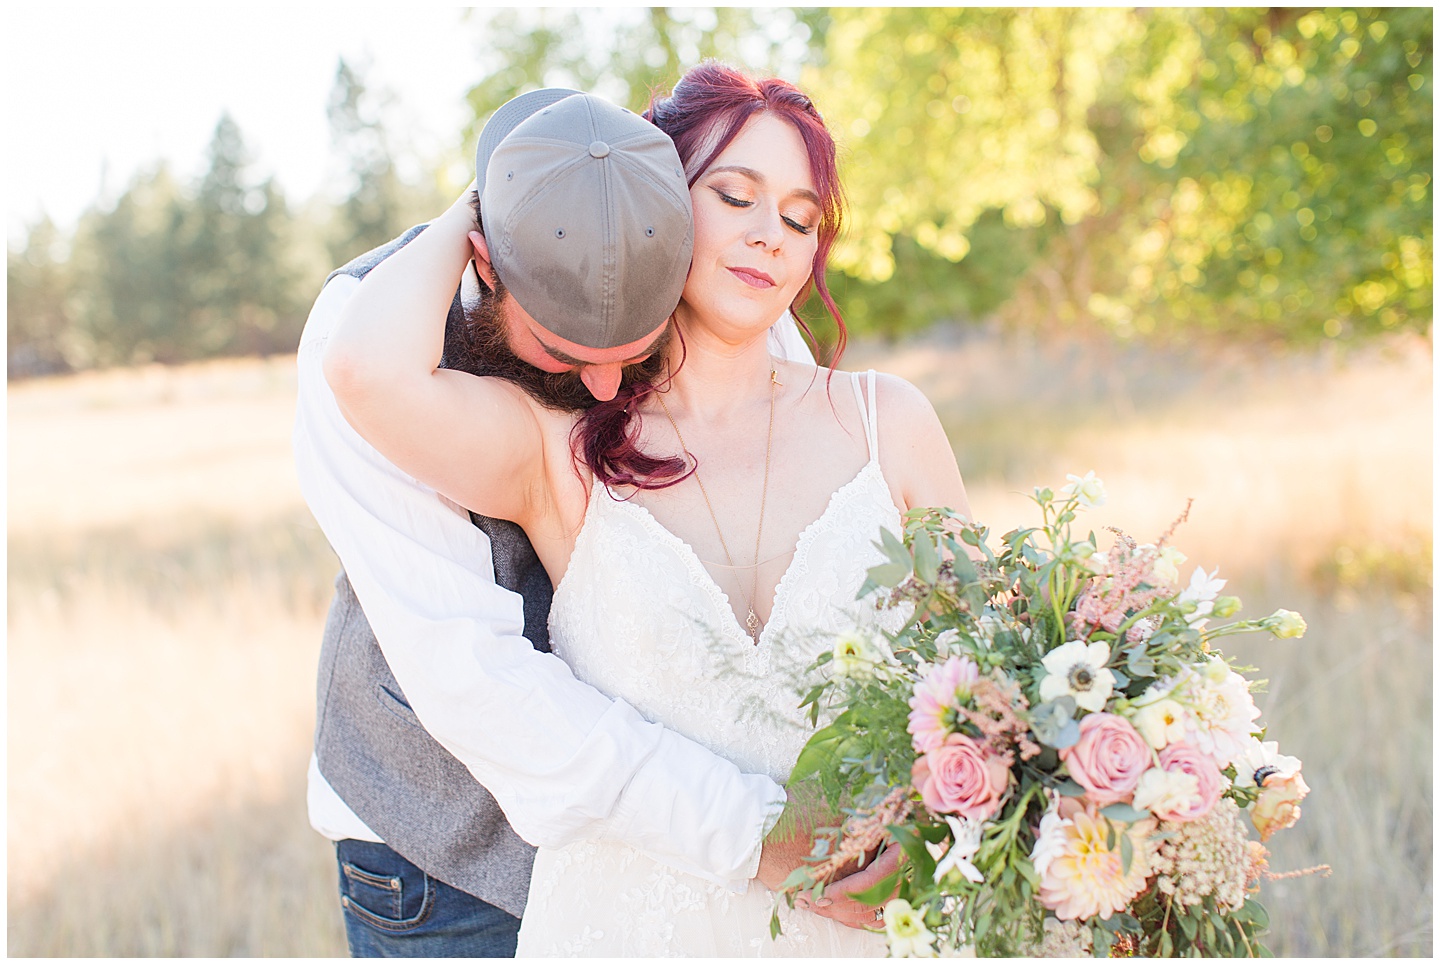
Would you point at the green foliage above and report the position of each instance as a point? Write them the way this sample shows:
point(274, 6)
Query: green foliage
point(1264, 172)
point(168, 276)
point(374, 207)
point(945, 114)
point(37, 302)
point(627, 54)
point(1286, 159)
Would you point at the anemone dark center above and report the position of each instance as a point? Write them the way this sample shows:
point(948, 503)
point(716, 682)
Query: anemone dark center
point(1081, 677)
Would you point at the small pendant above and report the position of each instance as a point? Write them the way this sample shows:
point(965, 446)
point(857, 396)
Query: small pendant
point(752, 626)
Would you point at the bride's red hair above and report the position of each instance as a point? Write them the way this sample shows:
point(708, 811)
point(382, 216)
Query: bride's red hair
point(703, 114)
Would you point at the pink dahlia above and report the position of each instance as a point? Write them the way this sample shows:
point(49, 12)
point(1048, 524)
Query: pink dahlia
point(935, 699)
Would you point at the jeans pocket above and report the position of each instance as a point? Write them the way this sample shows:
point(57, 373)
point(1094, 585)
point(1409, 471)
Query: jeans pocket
point(381, 900)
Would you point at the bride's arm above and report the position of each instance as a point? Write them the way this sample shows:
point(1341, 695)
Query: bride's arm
point(477, 441)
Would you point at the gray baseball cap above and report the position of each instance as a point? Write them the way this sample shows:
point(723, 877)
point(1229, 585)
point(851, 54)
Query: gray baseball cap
point(586, 214)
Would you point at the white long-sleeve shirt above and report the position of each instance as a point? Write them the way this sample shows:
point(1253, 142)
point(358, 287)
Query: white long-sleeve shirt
point(564, 761)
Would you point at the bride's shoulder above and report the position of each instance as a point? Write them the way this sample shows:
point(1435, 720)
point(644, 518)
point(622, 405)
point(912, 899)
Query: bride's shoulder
point(898, 402)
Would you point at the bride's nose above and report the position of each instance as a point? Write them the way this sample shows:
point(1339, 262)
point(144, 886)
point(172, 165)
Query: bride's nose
point(767, 231)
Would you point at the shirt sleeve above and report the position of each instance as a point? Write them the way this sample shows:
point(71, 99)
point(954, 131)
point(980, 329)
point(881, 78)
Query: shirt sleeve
point(564, 761)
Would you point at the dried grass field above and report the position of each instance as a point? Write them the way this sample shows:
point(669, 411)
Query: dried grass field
point(167, 588)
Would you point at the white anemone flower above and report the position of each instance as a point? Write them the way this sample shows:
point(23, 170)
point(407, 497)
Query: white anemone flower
point(1262, 760)
point(958, 856)
point(1077, 668)
point(1088, 490)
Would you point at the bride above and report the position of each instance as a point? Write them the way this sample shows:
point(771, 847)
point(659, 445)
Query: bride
point(702, 527)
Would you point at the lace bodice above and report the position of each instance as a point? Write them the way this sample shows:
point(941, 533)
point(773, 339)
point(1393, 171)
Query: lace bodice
point(638, 616)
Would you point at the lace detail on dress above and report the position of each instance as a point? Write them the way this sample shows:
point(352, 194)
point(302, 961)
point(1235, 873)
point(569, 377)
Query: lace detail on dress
point(639, 617)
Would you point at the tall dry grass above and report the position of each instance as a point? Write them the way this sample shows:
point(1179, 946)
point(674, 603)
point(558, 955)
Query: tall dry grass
point(167, 588)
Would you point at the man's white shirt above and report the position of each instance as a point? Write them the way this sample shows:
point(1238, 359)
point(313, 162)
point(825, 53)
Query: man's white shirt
point(565, 762)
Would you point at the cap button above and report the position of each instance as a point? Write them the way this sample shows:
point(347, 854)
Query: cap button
point(599, 149)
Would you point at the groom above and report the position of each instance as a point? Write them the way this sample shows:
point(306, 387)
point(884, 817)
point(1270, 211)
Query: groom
point(440, 712)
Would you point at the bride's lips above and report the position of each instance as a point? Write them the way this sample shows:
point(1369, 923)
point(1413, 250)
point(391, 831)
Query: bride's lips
point(753, 278)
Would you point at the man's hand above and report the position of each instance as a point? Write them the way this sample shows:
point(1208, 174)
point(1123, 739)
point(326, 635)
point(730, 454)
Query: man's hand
point(837, 902)
point(791, 840)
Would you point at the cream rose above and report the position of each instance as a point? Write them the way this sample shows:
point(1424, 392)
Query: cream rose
point(1209, 783)
point(1278, 806)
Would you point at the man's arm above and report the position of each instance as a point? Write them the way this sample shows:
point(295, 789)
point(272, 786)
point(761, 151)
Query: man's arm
point(564, 762)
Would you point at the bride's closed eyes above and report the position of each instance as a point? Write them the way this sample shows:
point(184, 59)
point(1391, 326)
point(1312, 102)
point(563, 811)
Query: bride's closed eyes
point(736, 188)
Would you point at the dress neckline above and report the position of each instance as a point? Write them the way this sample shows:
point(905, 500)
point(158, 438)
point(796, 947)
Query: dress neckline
point(701, 577)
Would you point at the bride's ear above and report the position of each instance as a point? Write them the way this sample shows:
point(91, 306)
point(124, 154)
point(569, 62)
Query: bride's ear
point(483, 268)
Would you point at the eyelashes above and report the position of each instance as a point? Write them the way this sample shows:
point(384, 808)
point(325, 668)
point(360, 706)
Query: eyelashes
point(791, 223)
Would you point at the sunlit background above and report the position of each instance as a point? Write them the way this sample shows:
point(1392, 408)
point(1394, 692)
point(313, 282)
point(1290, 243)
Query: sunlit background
point(1189, 249)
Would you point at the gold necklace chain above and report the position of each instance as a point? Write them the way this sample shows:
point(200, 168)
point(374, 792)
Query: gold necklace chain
point(753, 626)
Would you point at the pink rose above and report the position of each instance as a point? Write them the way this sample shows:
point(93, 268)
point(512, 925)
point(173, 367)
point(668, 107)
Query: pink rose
point(958, 777)
point(1181, 757)
point(1108, 759)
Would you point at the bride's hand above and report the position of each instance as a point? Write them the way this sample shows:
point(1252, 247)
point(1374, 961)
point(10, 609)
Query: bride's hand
point(837, 902)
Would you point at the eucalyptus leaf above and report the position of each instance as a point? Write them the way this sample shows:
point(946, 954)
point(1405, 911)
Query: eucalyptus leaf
point(888, 574)
point(878, 892)
point(927, 560)
point(1070, 788)
point(1124, 812)
point(1138, 662)
point(1069, 736)
point(892, 547)
point(1127, 853)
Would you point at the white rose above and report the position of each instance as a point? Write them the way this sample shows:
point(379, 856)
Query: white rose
point(1165, 791)
point(1089, 491)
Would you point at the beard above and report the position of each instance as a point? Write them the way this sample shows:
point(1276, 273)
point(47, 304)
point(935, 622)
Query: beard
point(483, 348)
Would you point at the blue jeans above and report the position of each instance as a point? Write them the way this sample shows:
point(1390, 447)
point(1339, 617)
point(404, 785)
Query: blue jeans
point(395, 910)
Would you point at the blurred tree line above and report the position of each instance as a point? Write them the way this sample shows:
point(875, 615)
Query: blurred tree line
point(1160, 172)
point(173, 272)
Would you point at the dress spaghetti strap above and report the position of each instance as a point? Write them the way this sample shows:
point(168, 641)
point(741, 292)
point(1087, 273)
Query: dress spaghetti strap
point(868, 412)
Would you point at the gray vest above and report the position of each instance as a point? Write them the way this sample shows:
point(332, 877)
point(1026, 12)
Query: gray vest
point(371, 747)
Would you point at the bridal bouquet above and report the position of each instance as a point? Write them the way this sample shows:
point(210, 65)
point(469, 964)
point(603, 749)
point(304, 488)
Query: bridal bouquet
point(1053, 740)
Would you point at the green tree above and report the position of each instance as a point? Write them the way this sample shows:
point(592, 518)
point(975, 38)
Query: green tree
point(171, 275)
point(626, 54)
point(240, 296)
point(1286, 161)
point(130, 270)
point(38, 317)
point(375, 206)
point(1257, 171)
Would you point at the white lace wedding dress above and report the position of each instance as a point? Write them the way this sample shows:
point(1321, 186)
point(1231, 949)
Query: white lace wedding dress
point(638, 617)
